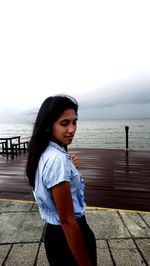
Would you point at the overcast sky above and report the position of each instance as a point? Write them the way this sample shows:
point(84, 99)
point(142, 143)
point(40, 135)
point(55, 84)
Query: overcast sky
point(97, 51)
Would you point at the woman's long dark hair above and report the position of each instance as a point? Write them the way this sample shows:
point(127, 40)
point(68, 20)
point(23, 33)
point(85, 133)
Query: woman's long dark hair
point(48, 114)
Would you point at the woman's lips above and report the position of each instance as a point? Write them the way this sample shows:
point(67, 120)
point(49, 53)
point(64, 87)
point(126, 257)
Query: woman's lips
point(69, 137)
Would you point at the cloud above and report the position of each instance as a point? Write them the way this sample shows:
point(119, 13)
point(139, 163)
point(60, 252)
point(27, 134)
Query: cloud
point(120, 100)
point(124, 111)
point(132, 91)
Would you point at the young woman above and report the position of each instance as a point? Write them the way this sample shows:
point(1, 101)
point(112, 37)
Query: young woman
point(58, 186)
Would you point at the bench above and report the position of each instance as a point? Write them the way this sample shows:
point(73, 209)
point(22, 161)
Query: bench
point(3, 143)
point(7, 148)
point(18, 147)
point(11, 146)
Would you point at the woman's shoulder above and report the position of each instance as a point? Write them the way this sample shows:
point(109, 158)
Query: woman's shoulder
point(54, 160)
point(52, 154)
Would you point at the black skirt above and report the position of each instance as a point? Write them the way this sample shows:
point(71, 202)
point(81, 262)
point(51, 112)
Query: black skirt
point(57, 249)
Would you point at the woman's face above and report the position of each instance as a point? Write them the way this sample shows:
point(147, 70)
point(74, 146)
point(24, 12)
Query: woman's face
point(64, 128)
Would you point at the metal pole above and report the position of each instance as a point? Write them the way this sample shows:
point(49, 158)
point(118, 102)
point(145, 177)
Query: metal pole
point(127, 130)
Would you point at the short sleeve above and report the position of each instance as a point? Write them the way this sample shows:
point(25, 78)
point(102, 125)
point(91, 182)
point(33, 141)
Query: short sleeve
point(56, 171)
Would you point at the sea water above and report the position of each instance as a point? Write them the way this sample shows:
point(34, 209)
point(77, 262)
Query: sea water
point(109, 134)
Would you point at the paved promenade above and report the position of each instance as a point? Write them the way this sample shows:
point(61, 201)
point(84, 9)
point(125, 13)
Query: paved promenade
point(123, 238)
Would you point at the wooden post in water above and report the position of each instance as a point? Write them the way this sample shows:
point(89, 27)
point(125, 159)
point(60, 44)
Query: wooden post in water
point(127, 130)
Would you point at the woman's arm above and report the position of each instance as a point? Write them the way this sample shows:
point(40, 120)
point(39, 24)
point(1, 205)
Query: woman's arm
point(63, 200)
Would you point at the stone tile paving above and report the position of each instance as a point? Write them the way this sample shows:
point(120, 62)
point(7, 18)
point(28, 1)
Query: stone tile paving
point(106, 224)
point(4, 249)
point(136, 225)
point(20, 227)
point(41, 259)
point(103, 253)
point(124, 252)
point(22, 254)
point(123, 238)
point(144, 247)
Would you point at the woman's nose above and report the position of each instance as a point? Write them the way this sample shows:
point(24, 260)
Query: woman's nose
point(71, 129)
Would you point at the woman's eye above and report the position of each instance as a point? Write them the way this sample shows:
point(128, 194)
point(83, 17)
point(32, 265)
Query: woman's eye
point(64, 124)
point(74, 123)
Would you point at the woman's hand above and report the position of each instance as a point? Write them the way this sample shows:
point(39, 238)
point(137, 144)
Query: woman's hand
point(75, 160)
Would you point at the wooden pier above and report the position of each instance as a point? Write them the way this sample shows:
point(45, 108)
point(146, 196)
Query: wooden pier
point(117, 179)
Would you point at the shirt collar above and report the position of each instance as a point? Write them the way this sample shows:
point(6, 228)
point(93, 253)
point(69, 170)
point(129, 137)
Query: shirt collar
point(56, 146)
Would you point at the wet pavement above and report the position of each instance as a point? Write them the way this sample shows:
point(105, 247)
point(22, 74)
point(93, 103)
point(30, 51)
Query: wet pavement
point(116, 179)
point(123, 237)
